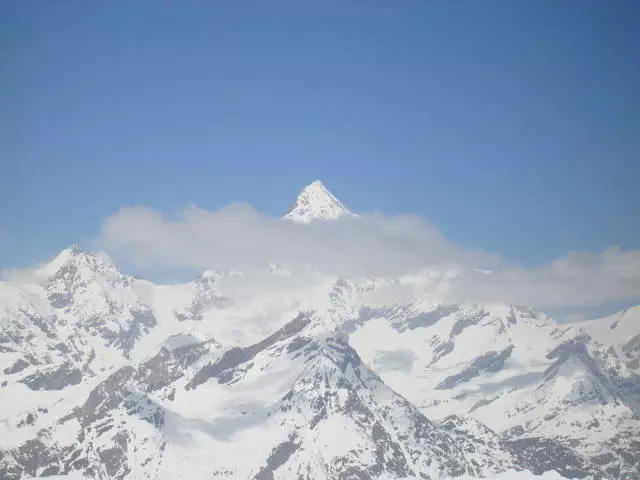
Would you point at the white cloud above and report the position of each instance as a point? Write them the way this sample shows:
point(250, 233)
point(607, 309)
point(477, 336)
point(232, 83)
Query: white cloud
point(238, 237)
point(577, 279)
point(22, 275)
point(575, 318)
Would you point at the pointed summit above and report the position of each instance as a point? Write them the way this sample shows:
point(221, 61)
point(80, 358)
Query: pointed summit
point(82, 260)
point(64, 257)
point(315, 202)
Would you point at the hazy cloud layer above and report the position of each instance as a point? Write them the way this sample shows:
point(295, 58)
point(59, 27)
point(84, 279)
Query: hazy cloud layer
point(238, 237)
point(577, 279)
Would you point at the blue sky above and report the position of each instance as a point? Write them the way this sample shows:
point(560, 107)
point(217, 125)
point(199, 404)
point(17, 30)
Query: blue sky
point(513, 126)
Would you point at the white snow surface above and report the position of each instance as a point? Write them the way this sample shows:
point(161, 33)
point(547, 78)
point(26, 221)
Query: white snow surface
point(315, 202)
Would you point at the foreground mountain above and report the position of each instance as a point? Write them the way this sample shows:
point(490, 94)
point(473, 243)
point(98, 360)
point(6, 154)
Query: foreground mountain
point(118, 378)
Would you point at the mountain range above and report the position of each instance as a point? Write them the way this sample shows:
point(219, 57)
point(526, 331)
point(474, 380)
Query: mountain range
point(117, 377)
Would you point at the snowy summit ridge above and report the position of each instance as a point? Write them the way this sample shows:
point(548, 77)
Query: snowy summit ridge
point(315, 202)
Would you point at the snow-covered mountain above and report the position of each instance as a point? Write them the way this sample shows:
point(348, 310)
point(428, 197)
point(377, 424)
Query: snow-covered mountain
point(119, 378)
point(315, 202)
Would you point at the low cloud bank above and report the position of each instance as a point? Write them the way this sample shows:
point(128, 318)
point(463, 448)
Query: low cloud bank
point(238, 237)
point(577, 279)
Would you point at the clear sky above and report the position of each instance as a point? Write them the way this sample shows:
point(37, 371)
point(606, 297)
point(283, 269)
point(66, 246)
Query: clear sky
point(512, 125)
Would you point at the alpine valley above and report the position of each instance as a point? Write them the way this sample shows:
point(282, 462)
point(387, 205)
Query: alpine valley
point(115, 377)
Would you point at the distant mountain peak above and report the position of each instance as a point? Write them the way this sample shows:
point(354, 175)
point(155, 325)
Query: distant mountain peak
point(315, 202)
point(64, 257)
point(72, 251)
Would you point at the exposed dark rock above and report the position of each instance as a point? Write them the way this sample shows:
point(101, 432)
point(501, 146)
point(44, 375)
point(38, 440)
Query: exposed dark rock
point(114, 458)
point(631, 349)
point(105, 397)
point(17, 367)
point(168, 365)
point(278, 457)
point(125, 337)
point(575, 345)
point(236, 356)
point(489, 362)
point(466, 321)
point(441, 350)
point(298, 343)
point(540, 455)
point(26, 460)
point(54, 379)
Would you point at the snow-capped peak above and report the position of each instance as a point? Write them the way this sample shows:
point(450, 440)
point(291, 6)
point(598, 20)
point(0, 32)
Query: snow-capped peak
point(67, 255)
point(75, 255)
point(315, 202)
